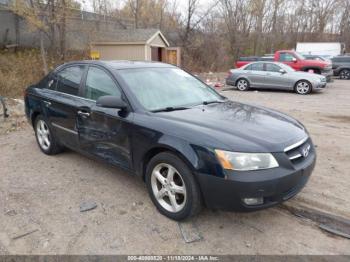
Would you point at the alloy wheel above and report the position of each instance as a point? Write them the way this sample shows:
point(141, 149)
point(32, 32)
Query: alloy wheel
point(242, 85)
point(168, 187)
point(345, 74)
point(303, 87)
point(43, 135)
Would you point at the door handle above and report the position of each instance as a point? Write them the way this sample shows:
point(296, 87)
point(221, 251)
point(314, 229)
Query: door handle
point(86, 114)
point(47, 103)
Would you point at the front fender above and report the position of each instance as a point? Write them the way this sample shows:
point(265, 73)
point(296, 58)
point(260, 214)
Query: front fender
point(199, 159)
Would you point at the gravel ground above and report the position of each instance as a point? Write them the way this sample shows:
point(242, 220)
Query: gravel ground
point(40, 197)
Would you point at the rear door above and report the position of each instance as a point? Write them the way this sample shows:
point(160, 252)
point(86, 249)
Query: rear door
point(275, 79)
point(61, 100)
point(103, 132)
point(256, 74)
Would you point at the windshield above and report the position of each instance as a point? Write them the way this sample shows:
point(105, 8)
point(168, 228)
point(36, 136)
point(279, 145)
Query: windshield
point(286, 67)
point(160, 88)
point(299, 56)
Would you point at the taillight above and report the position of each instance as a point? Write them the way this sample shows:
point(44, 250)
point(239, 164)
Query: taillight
point(229, 74)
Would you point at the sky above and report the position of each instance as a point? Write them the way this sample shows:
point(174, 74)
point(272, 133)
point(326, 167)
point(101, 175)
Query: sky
point(182, 4)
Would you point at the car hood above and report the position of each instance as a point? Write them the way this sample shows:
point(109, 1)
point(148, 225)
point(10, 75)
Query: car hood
point(237, 127)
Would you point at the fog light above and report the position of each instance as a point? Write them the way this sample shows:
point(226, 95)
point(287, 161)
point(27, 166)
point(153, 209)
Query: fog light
point(253, 201)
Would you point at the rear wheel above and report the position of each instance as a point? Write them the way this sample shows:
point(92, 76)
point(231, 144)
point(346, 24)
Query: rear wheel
point(242, 84)
point(45, 138)
point(303, 87)
point(344, 74)
point(172, 187)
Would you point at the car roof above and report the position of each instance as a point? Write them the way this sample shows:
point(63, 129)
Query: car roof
point(264, 62)
point(121, 64)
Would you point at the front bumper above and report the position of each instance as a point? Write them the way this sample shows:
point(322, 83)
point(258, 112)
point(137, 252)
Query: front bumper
point(320, 85)
point(273, 185)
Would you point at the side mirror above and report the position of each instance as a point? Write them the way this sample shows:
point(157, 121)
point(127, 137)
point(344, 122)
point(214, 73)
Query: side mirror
point(111, 102)
point(282, 71)
point(294, 60)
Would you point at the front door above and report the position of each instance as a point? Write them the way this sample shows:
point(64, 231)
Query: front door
point(289, 59)
point(103, 132)
point(156, 54)
point(276, 79)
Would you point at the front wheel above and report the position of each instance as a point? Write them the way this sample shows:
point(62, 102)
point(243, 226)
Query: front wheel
point(303, 87)
point(344, 74)
point(172, 187)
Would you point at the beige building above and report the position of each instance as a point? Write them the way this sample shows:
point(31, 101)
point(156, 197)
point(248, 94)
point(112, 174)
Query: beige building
point(136, 44)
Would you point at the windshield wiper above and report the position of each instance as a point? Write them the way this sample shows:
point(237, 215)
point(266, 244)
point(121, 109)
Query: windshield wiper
point(212, 102)
point(169, 109)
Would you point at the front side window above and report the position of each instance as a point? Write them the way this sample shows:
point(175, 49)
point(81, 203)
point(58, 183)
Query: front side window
point(160, 88)
point(272, 67)
point(69, 80)
point(286, 57)
point(99, 83)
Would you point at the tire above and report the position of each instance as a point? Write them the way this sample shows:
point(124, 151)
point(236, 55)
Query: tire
point(180, 187)
point(303, 87)
point(315, 71)
point(46, 140)
point(344, 74)
point(242, 84)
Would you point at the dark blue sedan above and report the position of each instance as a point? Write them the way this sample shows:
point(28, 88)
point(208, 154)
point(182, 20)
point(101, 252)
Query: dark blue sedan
point(192, 146)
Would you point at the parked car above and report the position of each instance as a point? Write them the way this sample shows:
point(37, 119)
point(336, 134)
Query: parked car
point(275, 76)
point(190, 145)
point(298, 63)
point(341, 66)
point(317, 57)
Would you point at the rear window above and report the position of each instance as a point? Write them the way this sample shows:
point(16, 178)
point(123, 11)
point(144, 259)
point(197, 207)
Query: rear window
point(69, 79)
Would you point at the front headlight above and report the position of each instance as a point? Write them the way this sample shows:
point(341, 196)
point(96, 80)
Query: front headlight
point(245, 161)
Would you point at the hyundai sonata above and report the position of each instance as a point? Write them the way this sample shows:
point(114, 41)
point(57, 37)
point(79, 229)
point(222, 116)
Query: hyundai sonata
point(192, 146)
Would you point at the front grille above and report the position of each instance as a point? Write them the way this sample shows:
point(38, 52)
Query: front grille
point(298, 151)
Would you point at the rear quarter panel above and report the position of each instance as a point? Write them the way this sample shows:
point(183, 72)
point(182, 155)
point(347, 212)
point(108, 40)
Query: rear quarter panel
point(33, 104)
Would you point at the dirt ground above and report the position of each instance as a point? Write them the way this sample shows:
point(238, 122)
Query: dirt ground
point(40, 196)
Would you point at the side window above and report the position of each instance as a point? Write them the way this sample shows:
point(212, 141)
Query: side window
point(258, 67)
point(272, 67)
point(69, 80)
point(249, 67)
point(286, 57)
point(46, 82)
point(99, 83)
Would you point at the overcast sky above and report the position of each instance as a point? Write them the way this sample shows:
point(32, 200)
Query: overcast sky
point(182, 4)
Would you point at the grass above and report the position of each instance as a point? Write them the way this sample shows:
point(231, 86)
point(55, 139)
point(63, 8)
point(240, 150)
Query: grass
point(20, 69)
